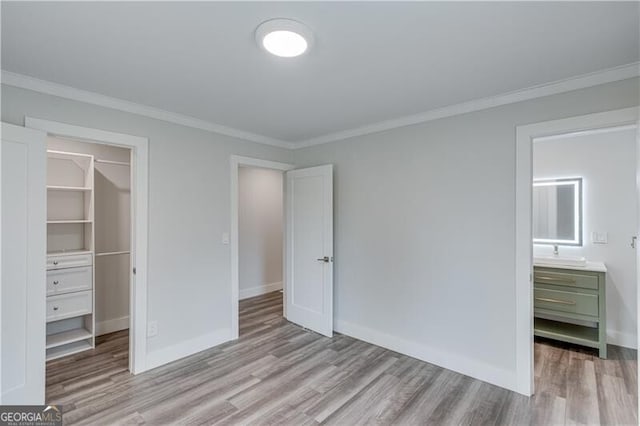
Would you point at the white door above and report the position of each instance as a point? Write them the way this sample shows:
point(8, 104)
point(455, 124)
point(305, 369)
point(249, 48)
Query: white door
point(23, 258)
point(309, 248)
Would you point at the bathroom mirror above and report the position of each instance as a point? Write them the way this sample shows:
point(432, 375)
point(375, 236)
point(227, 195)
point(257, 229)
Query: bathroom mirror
point(557, 211)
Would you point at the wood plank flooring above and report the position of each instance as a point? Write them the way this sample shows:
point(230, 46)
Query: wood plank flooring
point(278, 373)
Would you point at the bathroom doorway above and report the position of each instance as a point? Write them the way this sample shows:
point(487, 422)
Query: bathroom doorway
point(547, 154)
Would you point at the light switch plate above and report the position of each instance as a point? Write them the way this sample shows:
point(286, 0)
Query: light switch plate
point(152, 329)
point(225, 238)
point(599, 237)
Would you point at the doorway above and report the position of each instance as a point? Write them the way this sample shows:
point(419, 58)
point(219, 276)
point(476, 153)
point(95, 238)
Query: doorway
point(257, 235)
point(587, 307)
point(260, 246)
point(88, 261)
point(113, 247)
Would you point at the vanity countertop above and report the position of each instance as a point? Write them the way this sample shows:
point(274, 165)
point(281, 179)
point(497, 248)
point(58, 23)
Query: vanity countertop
point(590, 266)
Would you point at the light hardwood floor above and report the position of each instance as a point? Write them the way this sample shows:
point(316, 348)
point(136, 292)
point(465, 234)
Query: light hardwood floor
point(278, 373)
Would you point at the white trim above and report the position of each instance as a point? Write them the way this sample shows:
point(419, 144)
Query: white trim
point(596, 78)
point(25, 82)
point(258, 290)
point(574, 83)
point(236, 162)
point(465, 365)
point(139, 225)
point(186, 348)
point(112, 325)
point(587, 133)
point(523, 233)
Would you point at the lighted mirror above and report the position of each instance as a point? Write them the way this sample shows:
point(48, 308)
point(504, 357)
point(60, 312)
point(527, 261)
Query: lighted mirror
point(557, 211)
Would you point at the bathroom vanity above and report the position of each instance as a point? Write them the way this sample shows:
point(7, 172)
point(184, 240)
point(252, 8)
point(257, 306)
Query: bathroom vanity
point(570, 304)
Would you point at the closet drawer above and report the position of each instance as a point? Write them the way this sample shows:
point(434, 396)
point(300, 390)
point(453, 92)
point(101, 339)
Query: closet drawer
point(566, 301)
point(69, 305)
point(568, 279)
point(69, 261)
point(69, 280)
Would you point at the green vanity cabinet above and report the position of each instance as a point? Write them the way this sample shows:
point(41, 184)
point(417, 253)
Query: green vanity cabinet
point(570, 305)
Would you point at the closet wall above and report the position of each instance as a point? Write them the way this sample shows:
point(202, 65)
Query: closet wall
point(112, 230)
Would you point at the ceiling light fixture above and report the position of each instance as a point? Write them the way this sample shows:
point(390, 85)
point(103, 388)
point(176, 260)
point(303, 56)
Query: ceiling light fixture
point(284, 37)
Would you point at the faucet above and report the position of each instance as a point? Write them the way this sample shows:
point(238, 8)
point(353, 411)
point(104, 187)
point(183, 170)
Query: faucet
point(555, 250)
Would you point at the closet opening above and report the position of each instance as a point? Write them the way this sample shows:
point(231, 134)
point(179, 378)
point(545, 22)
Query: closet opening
point(88, 286)
point(260, 248)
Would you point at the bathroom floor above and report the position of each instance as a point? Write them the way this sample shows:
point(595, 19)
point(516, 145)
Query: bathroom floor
point(573, 385)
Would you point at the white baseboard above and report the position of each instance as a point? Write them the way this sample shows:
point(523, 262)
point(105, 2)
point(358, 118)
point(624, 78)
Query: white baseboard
point(245, 293)
point(618, 338)
point(461, 364)
point(186, 348)
point(112, 325)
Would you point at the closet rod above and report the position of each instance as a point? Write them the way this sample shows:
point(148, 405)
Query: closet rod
point(116, 163)
point(113, 253)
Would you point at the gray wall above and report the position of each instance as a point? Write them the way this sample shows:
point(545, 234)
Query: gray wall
point(189, 274)
point(433, 205)
point(607, 164)
point(260, 228)
point(424, 224)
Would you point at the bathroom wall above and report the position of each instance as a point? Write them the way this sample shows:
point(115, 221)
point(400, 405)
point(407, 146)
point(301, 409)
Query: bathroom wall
point(607, 164)
point(260, 220)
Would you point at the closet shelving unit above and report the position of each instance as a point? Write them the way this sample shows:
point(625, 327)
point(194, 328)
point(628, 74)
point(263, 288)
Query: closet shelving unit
point(70, 254)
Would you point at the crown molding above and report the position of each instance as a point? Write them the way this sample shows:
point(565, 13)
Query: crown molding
point(609, 75)
point(30, 83)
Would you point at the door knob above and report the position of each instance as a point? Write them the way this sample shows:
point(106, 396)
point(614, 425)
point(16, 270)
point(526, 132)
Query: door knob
point(323, 259)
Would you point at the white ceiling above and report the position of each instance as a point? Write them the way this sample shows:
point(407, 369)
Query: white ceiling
point(370, 62)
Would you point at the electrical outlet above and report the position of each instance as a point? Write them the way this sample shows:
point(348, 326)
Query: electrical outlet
point(152, 328)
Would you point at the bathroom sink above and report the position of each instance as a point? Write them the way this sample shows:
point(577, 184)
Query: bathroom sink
point(560, 261)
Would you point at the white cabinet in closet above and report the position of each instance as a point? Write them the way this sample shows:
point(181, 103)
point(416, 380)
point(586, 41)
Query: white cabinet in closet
point(70, 253)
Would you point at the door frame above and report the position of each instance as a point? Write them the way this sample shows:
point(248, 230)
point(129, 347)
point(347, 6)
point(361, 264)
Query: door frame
point(139, 223)
point(236, 162)
point(525, 136)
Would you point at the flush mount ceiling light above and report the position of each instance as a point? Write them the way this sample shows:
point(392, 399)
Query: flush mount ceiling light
point(284, 37)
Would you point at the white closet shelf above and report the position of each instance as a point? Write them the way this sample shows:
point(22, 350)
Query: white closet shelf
point(68, 349)
point(68, 188)
point(68, 252)
point(66, 337)
point(113, 253)
point(115, 163)
point(62, 222)
point(66, 155)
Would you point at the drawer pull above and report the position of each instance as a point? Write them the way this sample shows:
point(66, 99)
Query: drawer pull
point(55, 262)
point(559, 279)
point(562, 302)
point(56, 282)
point(55, 308)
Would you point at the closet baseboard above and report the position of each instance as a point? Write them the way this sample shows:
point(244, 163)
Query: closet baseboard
point(112, 325)
point(245, 293)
